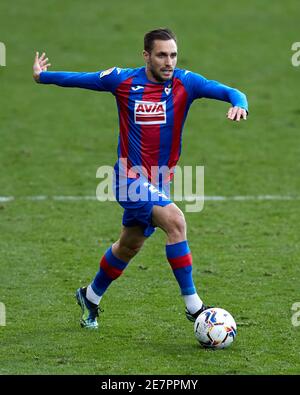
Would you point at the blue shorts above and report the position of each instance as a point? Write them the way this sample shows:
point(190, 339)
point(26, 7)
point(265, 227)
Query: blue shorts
point(138, 197)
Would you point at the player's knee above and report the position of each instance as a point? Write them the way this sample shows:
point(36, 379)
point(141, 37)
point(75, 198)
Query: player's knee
point(131, 249)
point(177, 225)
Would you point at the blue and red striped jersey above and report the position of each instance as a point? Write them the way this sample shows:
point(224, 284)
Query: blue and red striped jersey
point(151, 115)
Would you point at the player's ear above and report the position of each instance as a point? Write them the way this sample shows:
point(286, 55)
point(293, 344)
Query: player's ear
point(146, 56)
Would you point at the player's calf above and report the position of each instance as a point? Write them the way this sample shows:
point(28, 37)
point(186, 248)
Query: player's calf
point(180, 259)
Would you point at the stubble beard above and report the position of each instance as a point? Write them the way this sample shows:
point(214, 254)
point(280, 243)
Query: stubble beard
point(157, 76)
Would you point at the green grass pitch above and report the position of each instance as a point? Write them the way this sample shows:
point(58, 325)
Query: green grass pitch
point(246, 253)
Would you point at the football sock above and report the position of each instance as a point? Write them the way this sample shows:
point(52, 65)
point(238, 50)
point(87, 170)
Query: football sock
point(111, 268)
point(92, 296)
point(180, 259)
point(193, 303)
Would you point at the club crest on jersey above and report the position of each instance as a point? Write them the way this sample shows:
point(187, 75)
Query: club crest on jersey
point(150, 113)
point(106, 72)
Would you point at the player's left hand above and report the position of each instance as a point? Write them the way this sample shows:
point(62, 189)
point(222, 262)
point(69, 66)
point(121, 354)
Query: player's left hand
point(236, 114)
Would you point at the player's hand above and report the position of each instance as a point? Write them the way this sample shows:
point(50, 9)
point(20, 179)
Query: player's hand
point(40, 64)
point(236, 114)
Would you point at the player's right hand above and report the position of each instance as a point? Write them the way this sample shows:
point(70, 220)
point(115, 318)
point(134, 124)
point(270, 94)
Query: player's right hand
point(40, 64)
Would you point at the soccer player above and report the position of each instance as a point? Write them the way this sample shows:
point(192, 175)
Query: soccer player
point(153, 102)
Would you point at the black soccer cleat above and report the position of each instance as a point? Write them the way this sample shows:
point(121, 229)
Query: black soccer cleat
point(193, 317)
point(90, 311)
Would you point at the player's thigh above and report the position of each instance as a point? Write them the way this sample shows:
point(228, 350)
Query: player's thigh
point(132, 237)
point(168, 217)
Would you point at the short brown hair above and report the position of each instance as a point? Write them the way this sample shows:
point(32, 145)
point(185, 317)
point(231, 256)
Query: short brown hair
point(158, 34)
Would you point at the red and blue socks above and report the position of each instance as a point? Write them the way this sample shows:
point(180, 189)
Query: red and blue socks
point(111, 268)
point(180, 259)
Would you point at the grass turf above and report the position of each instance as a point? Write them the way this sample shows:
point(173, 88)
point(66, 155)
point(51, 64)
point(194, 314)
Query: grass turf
point(53, 140)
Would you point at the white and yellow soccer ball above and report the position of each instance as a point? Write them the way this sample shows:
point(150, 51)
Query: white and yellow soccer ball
point(215, 328)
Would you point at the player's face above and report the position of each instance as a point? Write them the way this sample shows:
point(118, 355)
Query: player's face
point(161, 61)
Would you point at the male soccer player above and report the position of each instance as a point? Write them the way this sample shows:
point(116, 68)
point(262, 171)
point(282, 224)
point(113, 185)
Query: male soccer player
point(153, 102)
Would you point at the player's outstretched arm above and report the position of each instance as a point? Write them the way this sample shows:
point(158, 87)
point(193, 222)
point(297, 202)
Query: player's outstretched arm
point(202, 87)
point(238, 100)
point(93, 81)
point(40, 64)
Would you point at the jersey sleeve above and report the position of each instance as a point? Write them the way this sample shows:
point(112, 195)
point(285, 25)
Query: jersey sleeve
point(106, 80)
point(199, 87)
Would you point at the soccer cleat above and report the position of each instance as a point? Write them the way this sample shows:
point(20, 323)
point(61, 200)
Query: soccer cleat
point(193, 317)
point(90, 311)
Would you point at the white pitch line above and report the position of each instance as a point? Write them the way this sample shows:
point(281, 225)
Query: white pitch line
point(4, 199)
point(242, 198)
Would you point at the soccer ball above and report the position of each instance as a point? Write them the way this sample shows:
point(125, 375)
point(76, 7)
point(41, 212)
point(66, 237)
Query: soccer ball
point(215, 328)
